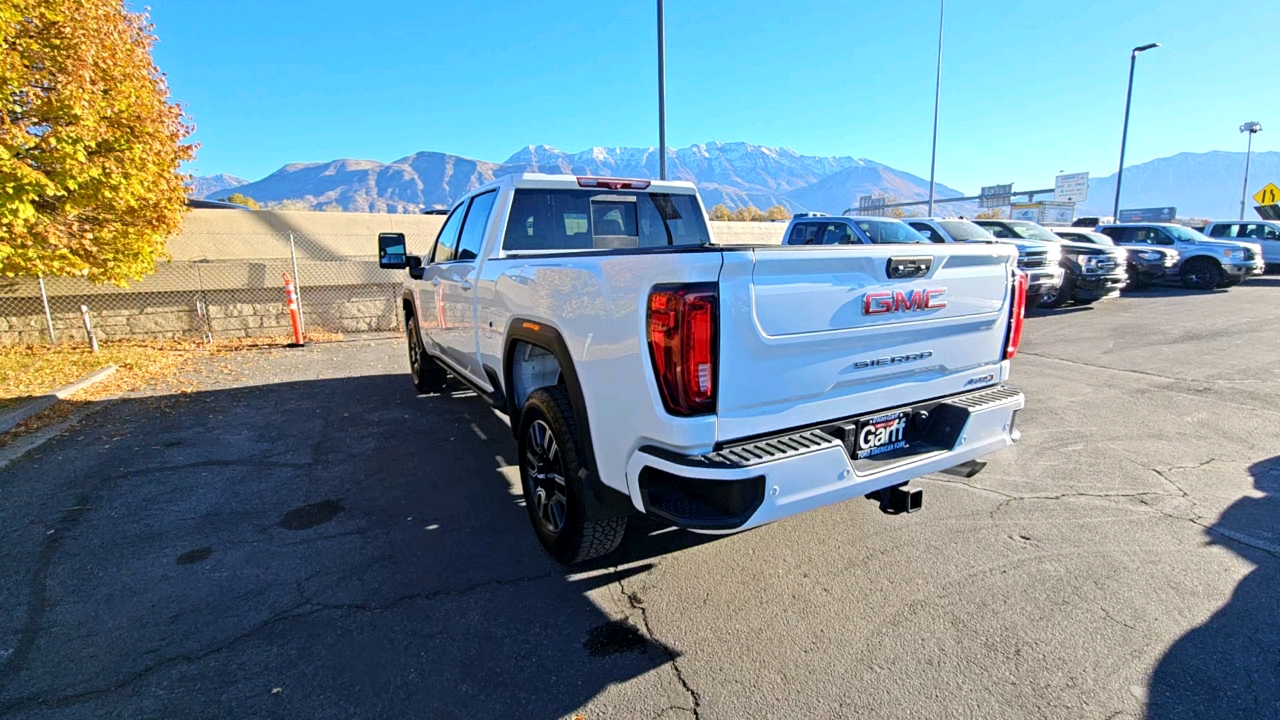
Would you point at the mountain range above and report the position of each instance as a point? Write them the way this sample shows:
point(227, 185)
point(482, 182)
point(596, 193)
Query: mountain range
point(1204, 185)
point(1200, 185)
point(735, 174)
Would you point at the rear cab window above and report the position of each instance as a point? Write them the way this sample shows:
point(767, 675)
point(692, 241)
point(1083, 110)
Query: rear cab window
point(805, 233)
point(890, 232)
point(550, 220)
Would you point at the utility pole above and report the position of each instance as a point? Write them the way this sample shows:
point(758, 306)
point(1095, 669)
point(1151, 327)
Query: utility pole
point(937, 100)
point(1253, 128)
point(662, 94)
point(1124, 135)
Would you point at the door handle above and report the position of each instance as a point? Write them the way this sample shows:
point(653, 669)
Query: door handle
point(465, 284)
point(436, 281)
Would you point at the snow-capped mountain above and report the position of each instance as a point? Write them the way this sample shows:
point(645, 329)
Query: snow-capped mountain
point(736, 174)
point(205, 185)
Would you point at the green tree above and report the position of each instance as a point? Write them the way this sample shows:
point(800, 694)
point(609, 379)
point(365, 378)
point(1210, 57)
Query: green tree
point(241, 199)
point(91, 148)
point(721, 213)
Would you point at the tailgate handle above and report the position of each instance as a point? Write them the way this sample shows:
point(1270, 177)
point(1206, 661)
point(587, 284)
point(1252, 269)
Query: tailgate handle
point(909, 267)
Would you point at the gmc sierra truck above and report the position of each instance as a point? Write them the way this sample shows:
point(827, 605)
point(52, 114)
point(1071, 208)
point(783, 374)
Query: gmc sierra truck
point(646, 369)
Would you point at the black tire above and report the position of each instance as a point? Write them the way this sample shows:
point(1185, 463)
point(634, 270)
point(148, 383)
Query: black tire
point(551, 476)
point(427, 375)
point(1060, 295)
point(1137, 281)
point(1230, 281)
point(1201, 274)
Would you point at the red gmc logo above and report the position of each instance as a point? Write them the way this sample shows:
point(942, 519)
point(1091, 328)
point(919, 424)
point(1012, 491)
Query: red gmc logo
point(883, 303)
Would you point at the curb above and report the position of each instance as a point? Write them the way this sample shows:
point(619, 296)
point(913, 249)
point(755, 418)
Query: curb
point(37, 405)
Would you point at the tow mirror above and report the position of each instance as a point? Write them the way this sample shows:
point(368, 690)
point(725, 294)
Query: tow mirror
point(391, 251)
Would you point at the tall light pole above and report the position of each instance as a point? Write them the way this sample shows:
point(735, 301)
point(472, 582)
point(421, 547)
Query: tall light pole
point(662, 94)
point(1253, 128)
point(1124, 136)
point(937, 100)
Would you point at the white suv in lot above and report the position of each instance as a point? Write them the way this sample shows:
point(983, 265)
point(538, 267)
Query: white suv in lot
point(1265, 233)
point(646, 369)
point(1204, 263)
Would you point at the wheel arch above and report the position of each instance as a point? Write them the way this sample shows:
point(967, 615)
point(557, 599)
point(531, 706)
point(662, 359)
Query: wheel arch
point(542, 336)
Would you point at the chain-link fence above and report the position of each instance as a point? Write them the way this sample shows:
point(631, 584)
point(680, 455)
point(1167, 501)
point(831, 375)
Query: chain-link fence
point(220, 285)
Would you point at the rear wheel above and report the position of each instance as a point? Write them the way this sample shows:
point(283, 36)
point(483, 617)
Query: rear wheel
point(551, 475)
point(1201, 274)
point(428, 377)
point(1058, 296)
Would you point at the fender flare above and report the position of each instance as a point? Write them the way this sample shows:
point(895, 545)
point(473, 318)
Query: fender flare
point(602, 500)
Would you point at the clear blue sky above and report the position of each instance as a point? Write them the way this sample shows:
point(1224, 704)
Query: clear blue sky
point(1029, 87)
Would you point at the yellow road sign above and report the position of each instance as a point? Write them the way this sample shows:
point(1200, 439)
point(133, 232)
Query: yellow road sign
point(1269, 195)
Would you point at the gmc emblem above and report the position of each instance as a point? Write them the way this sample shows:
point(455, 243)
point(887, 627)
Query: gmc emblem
point(883, 303)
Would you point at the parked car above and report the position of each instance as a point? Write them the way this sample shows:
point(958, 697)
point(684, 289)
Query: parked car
point(1090, 272)
point(1039, 260)
point(1203, 264)
point(1145, 265)
point(1265, 233)
point(817, 229)
point(647, 370)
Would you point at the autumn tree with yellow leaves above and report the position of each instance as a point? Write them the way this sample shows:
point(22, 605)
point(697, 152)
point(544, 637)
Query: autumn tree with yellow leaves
point(91, 147)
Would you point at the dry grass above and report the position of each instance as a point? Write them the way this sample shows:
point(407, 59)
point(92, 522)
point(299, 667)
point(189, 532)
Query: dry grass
point(31, 371)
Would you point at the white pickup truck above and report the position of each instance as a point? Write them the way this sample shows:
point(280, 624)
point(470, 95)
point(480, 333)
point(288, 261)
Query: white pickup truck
point(646, 369)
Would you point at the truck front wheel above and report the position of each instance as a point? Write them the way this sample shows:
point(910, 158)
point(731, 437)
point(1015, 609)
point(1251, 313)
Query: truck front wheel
point(1201, 274)
point(1059, 296)
point(551, 475)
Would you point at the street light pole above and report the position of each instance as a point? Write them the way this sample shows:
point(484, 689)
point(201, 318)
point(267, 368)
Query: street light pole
point(1124, 136)
point(662, 94)
point(1253, 128)
point(937, 100)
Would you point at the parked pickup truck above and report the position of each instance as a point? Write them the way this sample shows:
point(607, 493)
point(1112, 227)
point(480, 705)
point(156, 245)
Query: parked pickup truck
point(1090, 272)
point(1204, 264)
point(647, 370)
point(1039, 260)
point(1146, 264)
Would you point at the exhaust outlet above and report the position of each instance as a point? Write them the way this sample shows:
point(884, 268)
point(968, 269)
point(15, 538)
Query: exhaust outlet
point(901, 499)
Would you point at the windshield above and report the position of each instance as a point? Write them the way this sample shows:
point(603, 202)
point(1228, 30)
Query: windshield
point(602, 220)
point(1184, 234)
point(962, 230)
point(1032, 231)
point(890, 232)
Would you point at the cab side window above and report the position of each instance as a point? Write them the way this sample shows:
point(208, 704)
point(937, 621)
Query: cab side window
point(447, 240)
point(927, 232)
point(1222, 230)
point(1001, 232)
point(804, 234)
point(472, 236)
point(837, 233)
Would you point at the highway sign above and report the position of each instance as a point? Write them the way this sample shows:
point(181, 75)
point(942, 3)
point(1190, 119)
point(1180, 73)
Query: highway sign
point(1073, 187)
point(871, 205)
point(1269, 195)
point(1161, 214)
point(997, 196)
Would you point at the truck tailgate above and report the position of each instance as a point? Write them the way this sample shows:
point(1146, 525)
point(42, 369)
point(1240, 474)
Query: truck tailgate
point(812, 334)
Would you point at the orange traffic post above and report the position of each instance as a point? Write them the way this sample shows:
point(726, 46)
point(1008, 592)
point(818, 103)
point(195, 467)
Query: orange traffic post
point(291, 302)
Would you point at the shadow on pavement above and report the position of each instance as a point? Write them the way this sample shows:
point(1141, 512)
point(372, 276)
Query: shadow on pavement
point(1229, 667)
point(333, 548)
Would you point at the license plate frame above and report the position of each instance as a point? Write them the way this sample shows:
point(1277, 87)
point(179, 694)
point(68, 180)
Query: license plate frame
point(880, 434)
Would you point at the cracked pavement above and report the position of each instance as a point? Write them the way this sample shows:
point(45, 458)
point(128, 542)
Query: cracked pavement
point(310, 540)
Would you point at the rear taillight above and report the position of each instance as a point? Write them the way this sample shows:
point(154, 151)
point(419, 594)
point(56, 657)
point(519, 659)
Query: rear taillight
point(682, 327)
point(1018, 315)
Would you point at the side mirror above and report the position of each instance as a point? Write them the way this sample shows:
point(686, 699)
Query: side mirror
point(392, 254)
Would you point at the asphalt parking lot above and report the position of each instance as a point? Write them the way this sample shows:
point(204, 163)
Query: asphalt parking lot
point(307, 539)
